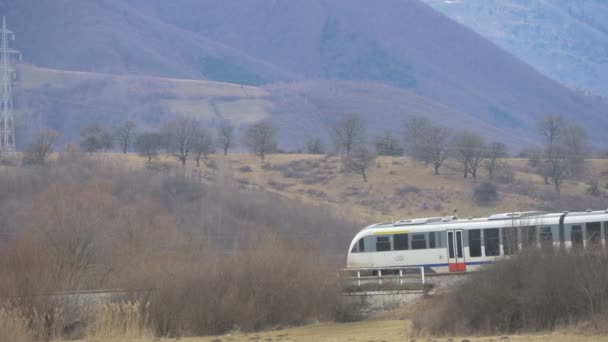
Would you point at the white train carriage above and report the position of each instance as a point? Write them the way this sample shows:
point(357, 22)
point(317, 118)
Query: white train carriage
point(447, 244)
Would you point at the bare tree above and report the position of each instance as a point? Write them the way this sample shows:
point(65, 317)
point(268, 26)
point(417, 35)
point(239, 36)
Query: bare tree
point(564, 156)
point(202, 144)
point(348, 132)
point(178, 137)
point(96, 137)
point(426, 142)
point(148, 144)
point(314, 145)
point(260, 138)
point(125, 134)
point(225, 135)
point(359, 160)
point(42, 147)
point(551, 128)
point(496, 151)
point(470, 150)
point(388, 145)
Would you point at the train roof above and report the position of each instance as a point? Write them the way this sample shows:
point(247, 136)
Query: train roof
point(494, 220)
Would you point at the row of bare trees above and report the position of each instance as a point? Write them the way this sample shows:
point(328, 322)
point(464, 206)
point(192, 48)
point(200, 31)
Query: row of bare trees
point(562, 156)
point(185, 138)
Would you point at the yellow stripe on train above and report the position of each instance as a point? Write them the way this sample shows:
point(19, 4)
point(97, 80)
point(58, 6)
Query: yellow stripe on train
point(391, 232)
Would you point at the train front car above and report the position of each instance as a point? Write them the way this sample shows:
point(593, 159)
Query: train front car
point(405, 243)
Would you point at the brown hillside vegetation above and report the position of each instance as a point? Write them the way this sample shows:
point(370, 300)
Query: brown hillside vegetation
point(92, 223)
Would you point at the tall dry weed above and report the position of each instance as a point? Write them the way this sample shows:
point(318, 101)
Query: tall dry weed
point(14, 327)
point(122, 321)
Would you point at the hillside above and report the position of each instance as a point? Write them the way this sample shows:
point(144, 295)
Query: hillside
point(566, 40)
point(404, 44)
point(398, 187)
point(68, 101)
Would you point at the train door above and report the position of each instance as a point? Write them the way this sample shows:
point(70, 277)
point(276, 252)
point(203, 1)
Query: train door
point(456, 262)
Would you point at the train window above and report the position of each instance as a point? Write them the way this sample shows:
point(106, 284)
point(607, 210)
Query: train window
point(459, 244)
point(418, 241)
point(576, 235)
point(432, 243)
point(383, 244)
point(509, 240)
point(491, 241)
point(361, 245)
point(546, 237)
point(475, 243)
point(529, 236)
point(400, 242)
point(451, 244)
point(594, 233)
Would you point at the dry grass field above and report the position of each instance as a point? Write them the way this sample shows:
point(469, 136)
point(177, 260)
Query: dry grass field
point(398, 187)
point(378, 330)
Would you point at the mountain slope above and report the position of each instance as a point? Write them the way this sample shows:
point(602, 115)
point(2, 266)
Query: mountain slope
point(567, 40)
point(398, 42)
point(68, 101)
point(108, 36)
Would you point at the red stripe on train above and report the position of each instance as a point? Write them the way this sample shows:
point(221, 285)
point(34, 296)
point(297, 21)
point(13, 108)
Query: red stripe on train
point(457, 267)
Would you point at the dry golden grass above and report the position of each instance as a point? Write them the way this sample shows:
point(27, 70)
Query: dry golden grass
point(377, 330)
point(119, 322)
point(13, 327)
point(378, 199)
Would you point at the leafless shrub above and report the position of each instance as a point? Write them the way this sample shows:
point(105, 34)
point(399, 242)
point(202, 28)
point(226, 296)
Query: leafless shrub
point(485, 194)
point(278, 185)
point(42, 147)
point(96, 137)
point(594, 188)
point(351, 191)
point(407, 189)
point(211, 164)
point(84, 224)
point(316, 179)
point(314, 146)
point(535, 291)
point(504, 174)
point(438, 207)
point(245, 168)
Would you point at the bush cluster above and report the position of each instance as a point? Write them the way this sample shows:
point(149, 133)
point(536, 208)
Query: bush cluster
point(534, 291)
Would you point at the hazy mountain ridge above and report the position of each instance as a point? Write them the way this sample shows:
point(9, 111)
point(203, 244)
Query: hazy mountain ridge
point(567, 40)
point(401, 43)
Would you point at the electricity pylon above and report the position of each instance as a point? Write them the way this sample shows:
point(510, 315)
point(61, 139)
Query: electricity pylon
point(7, 75)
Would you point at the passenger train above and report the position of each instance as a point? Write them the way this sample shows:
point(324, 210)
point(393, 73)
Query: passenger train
point(448, 244)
